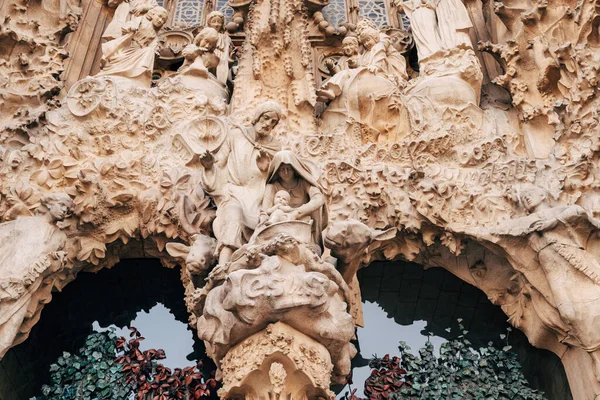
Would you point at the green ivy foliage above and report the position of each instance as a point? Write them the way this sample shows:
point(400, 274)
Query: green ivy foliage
point(110, 367)
point(92, 373)
point(459, 372)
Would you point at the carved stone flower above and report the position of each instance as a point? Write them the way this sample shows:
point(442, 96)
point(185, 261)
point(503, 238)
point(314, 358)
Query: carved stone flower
point(85, 96)
point(22, 201)
point(157, 120)
point(49, 172)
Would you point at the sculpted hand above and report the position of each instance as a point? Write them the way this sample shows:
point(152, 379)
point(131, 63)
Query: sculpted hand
point(207, 160)
point(295, 215)
point(262, 160)
point(329, 63)
point(373, 69)
point(262, 218)
point(539, 225)
point(218, 273)
point(189, 52)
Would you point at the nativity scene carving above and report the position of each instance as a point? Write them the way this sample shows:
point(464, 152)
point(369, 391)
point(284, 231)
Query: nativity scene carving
point(274, 160)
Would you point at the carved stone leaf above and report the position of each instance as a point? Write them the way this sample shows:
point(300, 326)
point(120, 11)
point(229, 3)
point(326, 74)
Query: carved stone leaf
point(91, 250)
point(123, 229)
point(120, 199)
point(23, 200)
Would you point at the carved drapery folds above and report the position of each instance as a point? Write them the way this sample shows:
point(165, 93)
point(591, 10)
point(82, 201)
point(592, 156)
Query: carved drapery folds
point(483, 161)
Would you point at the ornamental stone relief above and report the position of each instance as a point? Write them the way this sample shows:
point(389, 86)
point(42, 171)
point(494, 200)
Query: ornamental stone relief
point(273, 156)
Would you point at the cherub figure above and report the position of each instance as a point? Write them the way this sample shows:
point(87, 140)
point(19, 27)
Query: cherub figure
point(224, 47)
point(199, 71)
point(281, 210)
point(201, 55)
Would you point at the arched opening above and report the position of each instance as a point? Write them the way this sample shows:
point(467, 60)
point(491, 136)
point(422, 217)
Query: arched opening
point(138, 290)
point(401, 302)
point(404, 302)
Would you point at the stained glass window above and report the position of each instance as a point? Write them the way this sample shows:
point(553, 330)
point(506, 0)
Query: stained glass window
point(404, 21)
point(335, 12)
point(225, 8)
point(373, 10)
point(188, 12)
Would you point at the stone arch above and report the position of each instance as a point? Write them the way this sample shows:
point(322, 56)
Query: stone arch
point(407, 292)
point(109, 296)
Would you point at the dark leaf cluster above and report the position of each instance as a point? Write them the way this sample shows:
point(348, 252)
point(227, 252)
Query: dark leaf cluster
point(92, 373)
point(458, 372)
point(110, 367)
point(152, 380)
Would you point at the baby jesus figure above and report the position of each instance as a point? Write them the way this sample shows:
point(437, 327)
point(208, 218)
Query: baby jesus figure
point(281, 210)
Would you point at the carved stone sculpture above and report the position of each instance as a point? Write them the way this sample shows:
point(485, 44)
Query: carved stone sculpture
point(125, 11)
point(333, 87)
point(366, 96)
point(199, 257)
point(224, 46)
point(201, 64)
point(289, 360)
point(425, 157)
point(281, 280)
point(300, 180)
point(32, 256)
point(132, 54)
point(453, 23)
point(349, 242)
point(236, 177)
point(425, 29)
point(559, 236)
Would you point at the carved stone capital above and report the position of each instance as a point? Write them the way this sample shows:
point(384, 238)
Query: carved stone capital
point(278, 362)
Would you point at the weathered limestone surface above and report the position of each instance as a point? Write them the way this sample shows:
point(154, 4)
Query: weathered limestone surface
point(482, 162)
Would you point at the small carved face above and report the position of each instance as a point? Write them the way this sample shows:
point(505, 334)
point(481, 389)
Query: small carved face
point(207, 43)
point(159, 18)
point(286, 172)
point(216, 23)
point(15, 159)
point(478, 270)
point(532, 197)
point(266, 123)
point(60, 209)
point(350, 47)
point(369, 39)
point(282, 198)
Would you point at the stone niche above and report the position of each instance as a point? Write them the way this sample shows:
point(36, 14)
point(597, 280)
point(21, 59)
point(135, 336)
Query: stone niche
point(274, 154)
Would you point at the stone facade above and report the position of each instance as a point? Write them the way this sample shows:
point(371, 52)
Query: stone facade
point(274, 155)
